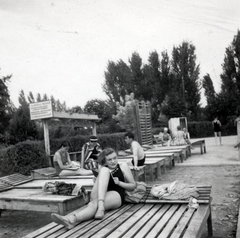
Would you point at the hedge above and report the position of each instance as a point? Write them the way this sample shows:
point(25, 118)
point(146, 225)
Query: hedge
point(200, 129)
point(116, 141)
point(26, 156)
point(22, 158)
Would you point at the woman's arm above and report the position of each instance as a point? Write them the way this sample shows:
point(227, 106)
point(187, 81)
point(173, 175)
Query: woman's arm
point(130, 183)
point(83, 156)
point(134, 151)
point(61, 165)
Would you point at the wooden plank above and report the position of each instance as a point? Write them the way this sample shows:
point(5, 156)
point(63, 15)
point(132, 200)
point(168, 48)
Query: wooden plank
point(42, 230)
point(114, 224)
point(98, 228)
point(141, 222)
point(163, 221)
point(151, 223)
point(56, 230)
point(183, 223)
point(126, 226)
point(196, 226)
point(168, 229)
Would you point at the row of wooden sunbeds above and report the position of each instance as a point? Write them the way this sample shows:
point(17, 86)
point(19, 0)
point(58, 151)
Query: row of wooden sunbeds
point(154, 218)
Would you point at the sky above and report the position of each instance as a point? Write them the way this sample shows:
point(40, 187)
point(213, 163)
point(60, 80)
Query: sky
point(62, 47)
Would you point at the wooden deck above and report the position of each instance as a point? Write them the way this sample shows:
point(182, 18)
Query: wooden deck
point(150, 218)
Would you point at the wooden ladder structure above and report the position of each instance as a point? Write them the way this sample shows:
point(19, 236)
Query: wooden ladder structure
point(143, 122)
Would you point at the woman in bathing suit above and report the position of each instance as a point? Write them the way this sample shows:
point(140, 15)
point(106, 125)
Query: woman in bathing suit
point(107, 193)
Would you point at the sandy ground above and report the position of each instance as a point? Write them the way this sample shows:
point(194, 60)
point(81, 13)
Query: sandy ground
point(219, 167)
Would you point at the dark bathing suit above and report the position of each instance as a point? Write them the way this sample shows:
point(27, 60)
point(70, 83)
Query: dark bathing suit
point(114, 187)
point(140, 162)
point(216, 127)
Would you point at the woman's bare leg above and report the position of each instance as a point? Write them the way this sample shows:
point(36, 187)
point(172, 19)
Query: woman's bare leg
point(215, 134)
point(220, 137)
point(100, 200)
point(80, 171)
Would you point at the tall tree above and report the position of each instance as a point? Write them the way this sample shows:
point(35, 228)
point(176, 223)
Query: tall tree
point(209, 92)
point(137, 83)
point(230, 88)
point(165, 77)
point(211, 97)
point(117, 80)
point(186, 76)
point(6, 107)
point(101, 108)
point(21, 127)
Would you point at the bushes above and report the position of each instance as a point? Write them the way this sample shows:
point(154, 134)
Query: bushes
point(200, 129)
point(205, 129)
point(22, 158)
point(26, 156)
point(115, 141)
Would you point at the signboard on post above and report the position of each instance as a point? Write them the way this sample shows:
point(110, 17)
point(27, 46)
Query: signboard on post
point(41, 110)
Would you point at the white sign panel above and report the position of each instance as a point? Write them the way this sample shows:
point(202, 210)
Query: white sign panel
point(41, 110)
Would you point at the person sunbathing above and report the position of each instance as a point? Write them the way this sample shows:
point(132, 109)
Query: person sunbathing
point(63, 164)
point(164, 137)
point(107, 193)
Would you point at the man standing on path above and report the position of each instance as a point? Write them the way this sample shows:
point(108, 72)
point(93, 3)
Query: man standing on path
point(136, 149)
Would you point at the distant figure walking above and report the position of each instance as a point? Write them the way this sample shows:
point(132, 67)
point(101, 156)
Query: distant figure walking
point(217, 129)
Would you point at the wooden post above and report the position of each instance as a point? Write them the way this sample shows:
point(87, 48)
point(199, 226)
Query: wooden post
point(94, 129)
point(46, 140)
point(238, 139)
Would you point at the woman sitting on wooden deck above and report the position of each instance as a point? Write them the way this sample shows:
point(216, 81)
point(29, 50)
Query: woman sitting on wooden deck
point(63, 164)
point(107, 193)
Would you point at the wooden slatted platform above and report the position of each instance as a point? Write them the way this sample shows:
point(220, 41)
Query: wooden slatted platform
point(15, 179)
point(29, 196)
point(150, 220)
point(204, 196)
point(4, 186)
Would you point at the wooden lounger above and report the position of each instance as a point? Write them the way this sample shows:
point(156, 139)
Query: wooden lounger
point(201, 144)
point(151, 218)
point(152, 166)
point(28, 195)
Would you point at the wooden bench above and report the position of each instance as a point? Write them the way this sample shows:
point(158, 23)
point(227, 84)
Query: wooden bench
point(29, 196)
point(199, 143)
point(179, 153)
point(170, 154)
point(153, 167)
point(150, 218)
point(138, 174)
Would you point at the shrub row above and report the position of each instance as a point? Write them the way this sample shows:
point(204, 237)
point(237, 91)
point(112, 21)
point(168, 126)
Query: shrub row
point(203, 129)
point(22, 158)
point(115, 141)
point(26, 156)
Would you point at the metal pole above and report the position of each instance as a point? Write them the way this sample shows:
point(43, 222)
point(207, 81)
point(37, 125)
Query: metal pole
point(238, 133)
point(46, 140)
